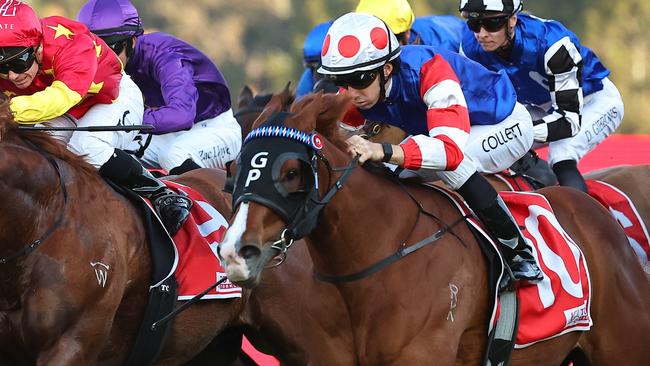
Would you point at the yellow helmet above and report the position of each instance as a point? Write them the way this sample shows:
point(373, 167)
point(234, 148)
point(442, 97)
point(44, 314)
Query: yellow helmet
point(397, 14)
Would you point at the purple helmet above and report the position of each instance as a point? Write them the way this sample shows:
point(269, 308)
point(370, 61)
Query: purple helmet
point(112, 20)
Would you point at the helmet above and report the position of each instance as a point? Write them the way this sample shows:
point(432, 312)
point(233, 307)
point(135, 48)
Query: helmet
point(22, 28)
point(112, 20)
point(314, 42)
point(476, 8)
point(357, 42)
point(396, 13)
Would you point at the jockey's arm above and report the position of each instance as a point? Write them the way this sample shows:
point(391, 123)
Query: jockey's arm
point(74, 68)
point(563, 64)
point(179, 92)
point(447, 121)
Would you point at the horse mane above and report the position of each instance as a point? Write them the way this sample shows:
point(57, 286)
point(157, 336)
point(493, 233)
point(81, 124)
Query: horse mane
point(9, 131)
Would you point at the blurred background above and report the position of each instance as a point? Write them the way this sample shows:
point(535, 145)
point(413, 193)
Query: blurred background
point(259, 42)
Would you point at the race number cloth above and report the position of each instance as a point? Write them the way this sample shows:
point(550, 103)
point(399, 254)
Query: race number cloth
point(624, 211)
point(560, 303)
point(196, 246)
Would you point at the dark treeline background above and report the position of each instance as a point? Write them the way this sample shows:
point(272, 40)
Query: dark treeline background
point(259, 42)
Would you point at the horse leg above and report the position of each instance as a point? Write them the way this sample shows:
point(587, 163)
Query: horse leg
point(81, 343)
point(194, 329)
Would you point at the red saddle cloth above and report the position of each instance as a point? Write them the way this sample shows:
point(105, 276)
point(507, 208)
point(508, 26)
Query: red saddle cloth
point(624, 211)
point(560, 303)
point(198, 265)
point(614, 200)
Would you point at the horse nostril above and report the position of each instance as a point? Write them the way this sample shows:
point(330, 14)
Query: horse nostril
point(249, 251)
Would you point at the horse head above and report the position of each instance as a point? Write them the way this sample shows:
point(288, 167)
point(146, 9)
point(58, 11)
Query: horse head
point(279, 182)
point(250, 105)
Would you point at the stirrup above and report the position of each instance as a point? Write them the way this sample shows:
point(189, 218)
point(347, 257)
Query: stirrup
point(175, 202)
point(533, 273)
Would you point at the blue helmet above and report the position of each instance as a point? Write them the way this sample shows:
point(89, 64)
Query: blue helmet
point(311, 50)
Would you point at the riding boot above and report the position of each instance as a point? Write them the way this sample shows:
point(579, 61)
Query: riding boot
point(188, 165)
point(172, 208)
point(491, 209)
point(535, 169)
point(567, 174)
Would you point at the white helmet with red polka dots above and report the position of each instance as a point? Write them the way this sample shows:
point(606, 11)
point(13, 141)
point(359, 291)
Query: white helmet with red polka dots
point(357, 42)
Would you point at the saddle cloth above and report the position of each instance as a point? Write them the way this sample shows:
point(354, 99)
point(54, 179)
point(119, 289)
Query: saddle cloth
point(614, 200)
point(196, 265)
point(624, 211)
point(561, 302)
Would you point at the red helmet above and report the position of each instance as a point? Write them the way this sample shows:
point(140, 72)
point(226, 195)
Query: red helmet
point(21, 26)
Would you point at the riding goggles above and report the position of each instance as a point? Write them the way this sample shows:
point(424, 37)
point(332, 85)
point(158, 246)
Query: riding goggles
point(118, 46)
point(19, 63)
point(357, 80)
point(491, 24)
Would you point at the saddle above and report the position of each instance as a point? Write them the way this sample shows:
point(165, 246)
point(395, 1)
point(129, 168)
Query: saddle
point(163, 286)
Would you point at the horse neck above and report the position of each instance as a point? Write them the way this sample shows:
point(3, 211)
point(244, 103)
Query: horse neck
point(31, 200)
point(366, 221)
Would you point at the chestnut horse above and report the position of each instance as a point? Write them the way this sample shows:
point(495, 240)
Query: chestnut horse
point(60, 222)
point(293, 316)
point(399, 314)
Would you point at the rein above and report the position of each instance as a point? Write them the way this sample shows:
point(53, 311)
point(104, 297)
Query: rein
point(404, 249)
point(29, 248)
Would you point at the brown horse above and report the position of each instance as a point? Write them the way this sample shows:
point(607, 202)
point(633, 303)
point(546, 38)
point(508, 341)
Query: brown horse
point(291, 315)
point(60, 224)
point(399, 314)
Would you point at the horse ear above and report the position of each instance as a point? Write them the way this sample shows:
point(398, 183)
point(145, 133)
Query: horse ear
point(245, 97)
point(332, 109)
point(7, 121)
point(287, 95)
point(274, 105)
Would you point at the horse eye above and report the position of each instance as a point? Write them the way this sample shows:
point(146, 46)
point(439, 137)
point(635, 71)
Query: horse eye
point(292, 174)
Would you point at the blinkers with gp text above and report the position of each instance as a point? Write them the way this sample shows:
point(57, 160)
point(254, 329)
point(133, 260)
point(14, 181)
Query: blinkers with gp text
point(259, 177)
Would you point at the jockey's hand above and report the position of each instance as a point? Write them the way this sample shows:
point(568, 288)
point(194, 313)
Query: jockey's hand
point(367, 150)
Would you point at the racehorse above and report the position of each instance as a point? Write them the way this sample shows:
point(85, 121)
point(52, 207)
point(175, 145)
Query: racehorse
point(399, 314)
point(281, 316)
point(61, 227)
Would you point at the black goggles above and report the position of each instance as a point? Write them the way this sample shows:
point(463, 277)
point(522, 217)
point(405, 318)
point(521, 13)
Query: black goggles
point(20, 63)
point(358, 80)
point(118, 46)
point(491, 24)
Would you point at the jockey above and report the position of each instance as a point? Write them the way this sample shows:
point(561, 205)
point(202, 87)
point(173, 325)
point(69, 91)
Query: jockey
point(57, 73)
point(435, 96)
point(187, 98)
point(311, 58)
point(440, 31)
point(565, 86)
